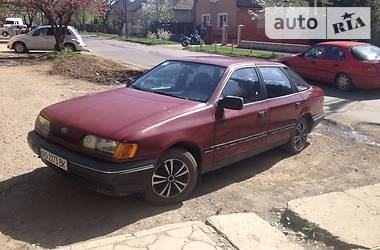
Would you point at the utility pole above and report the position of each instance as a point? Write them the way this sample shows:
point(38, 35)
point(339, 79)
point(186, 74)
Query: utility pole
point(124, 31)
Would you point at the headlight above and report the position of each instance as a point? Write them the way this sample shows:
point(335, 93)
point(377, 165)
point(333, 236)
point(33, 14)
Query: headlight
point(119, 151)
point(43, 125)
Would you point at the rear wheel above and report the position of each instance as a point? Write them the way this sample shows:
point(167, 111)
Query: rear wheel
point(185, 43)
point(173, 179)
point(5, 34)
point(20, 47)
point(298, 140)
point(344, 82)
point(70, 46)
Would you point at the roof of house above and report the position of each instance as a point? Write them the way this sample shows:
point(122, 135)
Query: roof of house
point(135, 5)
point(184, 5)
point(248, 4)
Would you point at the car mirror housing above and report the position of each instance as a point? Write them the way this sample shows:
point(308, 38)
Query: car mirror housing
point(231, 102)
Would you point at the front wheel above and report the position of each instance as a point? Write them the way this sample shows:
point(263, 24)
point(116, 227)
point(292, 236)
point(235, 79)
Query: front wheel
point(70, 46)
point(173, 179)
point(5, 34)
point(20, 47)
point(298, 140)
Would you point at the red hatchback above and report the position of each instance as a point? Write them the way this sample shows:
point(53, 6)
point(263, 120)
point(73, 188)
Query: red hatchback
point(183, 118)
point(345, 64)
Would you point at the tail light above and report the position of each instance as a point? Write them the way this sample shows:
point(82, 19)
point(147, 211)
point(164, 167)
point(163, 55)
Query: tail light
point(77, 41)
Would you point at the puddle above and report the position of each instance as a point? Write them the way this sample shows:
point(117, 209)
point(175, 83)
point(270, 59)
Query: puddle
point(346, 131)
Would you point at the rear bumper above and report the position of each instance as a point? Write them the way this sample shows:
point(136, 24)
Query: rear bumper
point(101, 176)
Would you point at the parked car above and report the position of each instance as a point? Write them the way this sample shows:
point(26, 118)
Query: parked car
point(183, 118)
point(42, 38)
point(12, 25)
point(345, 64)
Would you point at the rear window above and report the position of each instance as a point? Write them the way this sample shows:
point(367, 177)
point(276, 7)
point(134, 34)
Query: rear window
point(366, 52)
point(9, 22)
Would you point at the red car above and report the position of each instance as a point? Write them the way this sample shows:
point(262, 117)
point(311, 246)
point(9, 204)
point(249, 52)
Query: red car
point(183, 118)
point(345, 64)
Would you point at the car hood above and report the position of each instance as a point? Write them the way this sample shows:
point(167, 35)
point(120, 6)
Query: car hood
point(119, 114)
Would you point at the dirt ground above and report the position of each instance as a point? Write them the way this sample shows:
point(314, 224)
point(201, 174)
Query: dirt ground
point(39, 207)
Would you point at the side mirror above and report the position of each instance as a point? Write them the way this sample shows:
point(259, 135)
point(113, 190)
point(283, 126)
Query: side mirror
point(231, 102)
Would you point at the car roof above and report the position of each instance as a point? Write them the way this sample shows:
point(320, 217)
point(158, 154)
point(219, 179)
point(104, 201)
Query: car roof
point(49, 26)
point(225, 61)
point(343, 43)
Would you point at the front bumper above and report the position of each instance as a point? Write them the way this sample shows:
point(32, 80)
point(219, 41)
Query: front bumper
point(102, 176)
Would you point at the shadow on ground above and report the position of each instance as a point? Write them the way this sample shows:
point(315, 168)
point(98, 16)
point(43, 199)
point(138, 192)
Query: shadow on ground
point(45, 208)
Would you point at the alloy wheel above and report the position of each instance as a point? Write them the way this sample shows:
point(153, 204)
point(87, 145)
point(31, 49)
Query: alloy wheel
point(344, 82)
point(19, 48)
point(170, 178)
point(301, 136)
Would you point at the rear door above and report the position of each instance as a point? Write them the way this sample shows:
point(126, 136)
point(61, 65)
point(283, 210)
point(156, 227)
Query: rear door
point(42, 39)
point(284, 102)
point(334, 61)
point(239, 133)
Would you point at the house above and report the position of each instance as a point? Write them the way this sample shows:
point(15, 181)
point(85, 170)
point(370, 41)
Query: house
point(214, 14)
point(183, 22)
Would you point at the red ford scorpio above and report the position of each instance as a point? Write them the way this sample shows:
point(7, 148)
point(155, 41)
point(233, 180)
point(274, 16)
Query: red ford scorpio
point(183, 118)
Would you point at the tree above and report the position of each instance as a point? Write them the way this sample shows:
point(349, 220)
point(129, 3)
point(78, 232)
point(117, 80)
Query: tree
point(109, 6)
point(58, 14)
point(156, 12)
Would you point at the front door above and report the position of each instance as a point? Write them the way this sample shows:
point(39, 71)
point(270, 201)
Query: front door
point(240, 133)
point(310, 63)
point(285, 104)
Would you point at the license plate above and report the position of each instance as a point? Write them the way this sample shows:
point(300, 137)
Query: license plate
point(54, 159)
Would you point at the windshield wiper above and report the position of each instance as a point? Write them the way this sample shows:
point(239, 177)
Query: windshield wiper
point(138, 88)
point(167, 94)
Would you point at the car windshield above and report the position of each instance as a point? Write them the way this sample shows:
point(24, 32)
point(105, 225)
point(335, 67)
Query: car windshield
point(186, 80)
point(366, 52)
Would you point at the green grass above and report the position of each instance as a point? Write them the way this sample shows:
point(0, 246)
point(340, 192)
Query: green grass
point(233, 51)
point(132, 39)
point(63, 53)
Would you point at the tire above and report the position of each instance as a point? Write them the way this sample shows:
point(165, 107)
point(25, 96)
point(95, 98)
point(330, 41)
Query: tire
point(173, 179)
point(70, 46)
point(20, 47)
point(5, 34)
point(298, 140)
point(185, 43)
point(344, 82)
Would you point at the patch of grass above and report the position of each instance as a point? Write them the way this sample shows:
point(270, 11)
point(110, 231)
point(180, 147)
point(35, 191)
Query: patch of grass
point(310, 229)
point(59, 54)
point(140, 40)
point(233, 51)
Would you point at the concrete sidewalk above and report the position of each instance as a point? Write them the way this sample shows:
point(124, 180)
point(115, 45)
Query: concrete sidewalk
point(237, 231)
point(346, 220)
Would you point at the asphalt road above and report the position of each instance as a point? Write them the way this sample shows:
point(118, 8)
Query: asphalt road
point(358, 108)
point(133, 53)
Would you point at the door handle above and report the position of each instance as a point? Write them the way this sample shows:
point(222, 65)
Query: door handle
point(336, 65)
point(262, 114)
point(298, 105)
point(313, 62)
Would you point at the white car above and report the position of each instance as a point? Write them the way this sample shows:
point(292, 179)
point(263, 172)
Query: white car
point(42, 38)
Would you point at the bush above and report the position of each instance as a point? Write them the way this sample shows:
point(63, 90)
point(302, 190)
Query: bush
point(163, 34)
point(151, 35)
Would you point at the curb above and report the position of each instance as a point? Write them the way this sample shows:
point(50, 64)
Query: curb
point(294, 221)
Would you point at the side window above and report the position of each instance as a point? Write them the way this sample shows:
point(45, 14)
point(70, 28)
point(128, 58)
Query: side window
point(244, 83)
point(276, 82)
point(41, 32)
point(335, 53)
point(297, 80)
point(50, 32)
point(315, 52)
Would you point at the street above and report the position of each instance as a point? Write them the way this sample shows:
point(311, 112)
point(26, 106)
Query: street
point(134, 53)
